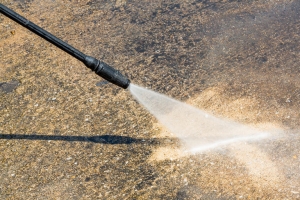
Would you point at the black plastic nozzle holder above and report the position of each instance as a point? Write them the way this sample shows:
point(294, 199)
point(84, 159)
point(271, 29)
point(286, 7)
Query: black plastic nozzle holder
point(99, 67)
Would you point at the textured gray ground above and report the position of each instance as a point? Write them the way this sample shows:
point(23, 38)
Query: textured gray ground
point(66, 134)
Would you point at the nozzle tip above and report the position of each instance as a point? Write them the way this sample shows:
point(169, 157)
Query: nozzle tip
point(107, 72)
point(127, 85)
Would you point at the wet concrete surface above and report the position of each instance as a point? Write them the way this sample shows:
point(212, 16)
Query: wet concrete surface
point(67, 134)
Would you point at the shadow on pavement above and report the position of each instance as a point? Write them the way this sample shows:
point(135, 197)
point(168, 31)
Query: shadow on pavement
point(104, 139)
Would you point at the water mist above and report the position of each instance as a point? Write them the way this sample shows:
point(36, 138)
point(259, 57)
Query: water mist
point(197, 129)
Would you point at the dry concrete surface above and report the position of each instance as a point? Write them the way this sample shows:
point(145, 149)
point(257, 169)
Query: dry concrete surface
point(65, 133)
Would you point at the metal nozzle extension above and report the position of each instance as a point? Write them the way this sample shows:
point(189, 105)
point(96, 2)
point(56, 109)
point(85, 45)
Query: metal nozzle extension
point(101, 68)
point(105, 71)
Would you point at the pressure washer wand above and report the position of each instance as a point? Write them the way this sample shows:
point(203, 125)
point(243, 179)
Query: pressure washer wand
point(99, 67)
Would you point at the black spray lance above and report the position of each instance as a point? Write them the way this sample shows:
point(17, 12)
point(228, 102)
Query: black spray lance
point(99, 67)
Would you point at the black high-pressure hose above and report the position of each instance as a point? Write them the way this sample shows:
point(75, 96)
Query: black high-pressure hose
point(99, 67)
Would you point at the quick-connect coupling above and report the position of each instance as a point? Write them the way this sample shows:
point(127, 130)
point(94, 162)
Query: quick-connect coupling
point(107, 72)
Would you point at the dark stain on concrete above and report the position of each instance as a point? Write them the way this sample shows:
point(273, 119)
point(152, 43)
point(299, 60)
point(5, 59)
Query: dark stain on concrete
point(8, 87)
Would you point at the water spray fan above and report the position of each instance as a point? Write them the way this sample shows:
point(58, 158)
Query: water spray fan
point(99, 67)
